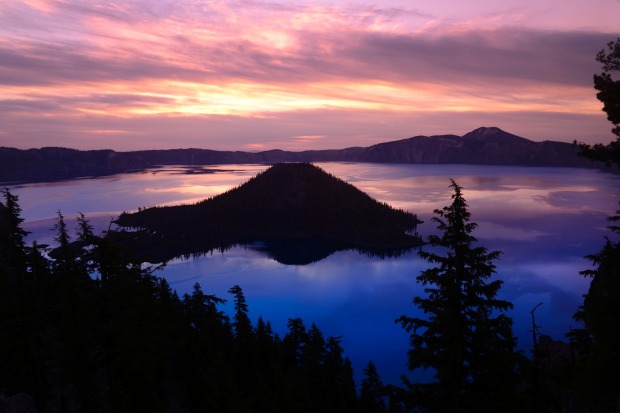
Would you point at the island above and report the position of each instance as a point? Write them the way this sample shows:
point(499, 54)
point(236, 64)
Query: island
point(295, 212)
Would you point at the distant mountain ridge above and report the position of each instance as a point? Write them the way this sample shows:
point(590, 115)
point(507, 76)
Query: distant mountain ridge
point(483, 146)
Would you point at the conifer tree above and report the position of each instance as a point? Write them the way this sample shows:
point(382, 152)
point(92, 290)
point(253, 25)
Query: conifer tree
point(372, 391)
point(466, 337)
point(201, 310)
point(599, 378)
point(85, 229)
point(339, 382)
point(314, 351)
point(14, 231)
point(63, 253)
point(295, 342)
point(22, 361)
point(608, 90)
point(241, 320)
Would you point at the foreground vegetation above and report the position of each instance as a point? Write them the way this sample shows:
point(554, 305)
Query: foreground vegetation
point(92, 330)
point(89, 328)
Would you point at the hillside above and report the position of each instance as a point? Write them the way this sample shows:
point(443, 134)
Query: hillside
point(484, 146)
point(296, 212)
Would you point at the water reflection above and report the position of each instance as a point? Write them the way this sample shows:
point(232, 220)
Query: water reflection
point(545, 220)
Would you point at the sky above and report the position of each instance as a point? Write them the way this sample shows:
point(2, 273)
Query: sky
point(296, 75)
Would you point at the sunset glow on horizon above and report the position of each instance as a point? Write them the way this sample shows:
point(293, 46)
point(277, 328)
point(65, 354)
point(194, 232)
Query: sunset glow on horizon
point(258, 75)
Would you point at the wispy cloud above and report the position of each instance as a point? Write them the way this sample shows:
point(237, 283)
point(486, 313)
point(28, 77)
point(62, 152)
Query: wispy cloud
point(131, 61)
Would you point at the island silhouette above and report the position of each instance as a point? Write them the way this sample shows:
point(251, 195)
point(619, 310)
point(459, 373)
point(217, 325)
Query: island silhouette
point(294, 212)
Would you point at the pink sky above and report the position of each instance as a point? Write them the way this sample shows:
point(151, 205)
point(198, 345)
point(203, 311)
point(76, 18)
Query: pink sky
point(255, 75)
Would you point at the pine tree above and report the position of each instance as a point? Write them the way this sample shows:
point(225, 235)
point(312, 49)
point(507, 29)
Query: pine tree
point(22, 352)
point(599, 342)
point(85, 230)
point(339, 383)
point(295, 342)
point(600, 369)
point(201, 311)
point(14, 231)
point(12, 238)
point(372, 391)
point(63, 253)
point(608, 90)
point(466, 338)
point(241, 321)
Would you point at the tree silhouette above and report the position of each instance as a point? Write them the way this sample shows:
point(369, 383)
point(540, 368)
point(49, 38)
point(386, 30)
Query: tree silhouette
point(608, 93)
point(87, 327)
point(599, 377)
point(465, 338)
point(13, 219)
point(22, 352)
point(598, 370)
point(241, 321)
point(372, 391)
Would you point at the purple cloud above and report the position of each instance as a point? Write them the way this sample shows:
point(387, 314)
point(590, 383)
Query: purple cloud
point(264, 73)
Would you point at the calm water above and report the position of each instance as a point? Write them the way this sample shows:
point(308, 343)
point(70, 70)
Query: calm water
point(543, 219)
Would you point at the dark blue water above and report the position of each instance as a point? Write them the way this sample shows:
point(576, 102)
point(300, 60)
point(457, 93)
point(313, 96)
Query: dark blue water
point(544, 220)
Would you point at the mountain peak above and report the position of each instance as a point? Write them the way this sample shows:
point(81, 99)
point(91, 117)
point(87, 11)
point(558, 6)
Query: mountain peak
point(485, 131)
point(494, 134)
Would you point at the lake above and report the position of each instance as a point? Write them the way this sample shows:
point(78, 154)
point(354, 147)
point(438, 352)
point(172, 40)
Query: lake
point(544, 220)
